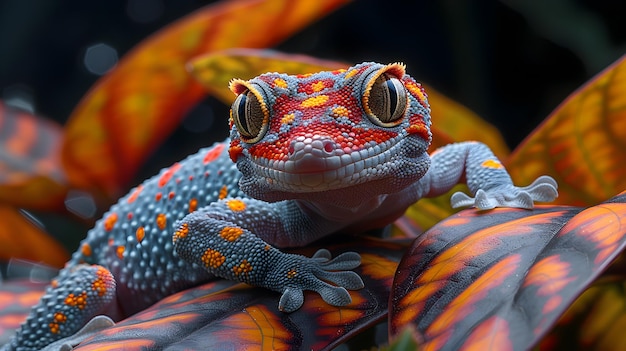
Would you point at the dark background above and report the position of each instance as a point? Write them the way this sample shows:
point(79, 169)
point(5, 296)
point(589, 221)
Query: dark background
point(512, 62)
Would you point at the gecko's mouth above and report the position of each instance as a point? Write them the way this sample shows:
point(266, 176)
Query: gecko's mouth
point(314, 170)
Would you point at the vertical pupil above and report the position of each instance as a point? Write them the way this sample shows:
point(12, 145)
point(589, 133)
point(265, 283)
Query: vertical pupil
point(392, 96)
point(242, 112)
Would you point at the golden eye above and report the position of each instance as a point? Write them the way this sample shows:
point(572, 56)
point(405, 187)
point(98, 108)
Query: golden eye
point(249, 117)
point(386, 101)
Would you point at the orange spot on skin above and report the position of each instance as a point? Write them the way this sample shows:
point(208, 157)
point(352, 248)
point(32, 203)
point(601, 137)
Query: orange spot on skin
point(140, 233)
point(231, 233)
point(85, 249)
point(100, 283)
point(223, 192)
point(135, 194)
point(56, 320)
point(193, 205)
point(158, 197)
point(314, 101)
point(168, 174)
point(109, 222)
point(212, 258)
point(243, 268)
point(79, 301)
point(236, 205)
point(171, 195)
point(119, 251)
point(213, 153)
point(161, 221)
point(495, 164)
point(181, 232)
point(292, 273)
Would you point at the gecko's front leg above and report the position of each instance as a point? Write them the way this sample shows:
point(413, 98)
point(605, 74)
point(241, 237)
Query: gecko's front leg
point(221, 238)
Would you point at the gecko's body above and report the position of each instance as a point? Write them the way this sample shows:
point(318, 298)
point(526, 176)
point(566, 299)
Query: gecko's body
point(312, 154)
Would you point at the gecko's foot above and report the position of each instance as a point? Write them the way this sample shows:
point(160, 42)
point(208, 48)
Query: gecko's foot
point(315, 273)
point(543, 189)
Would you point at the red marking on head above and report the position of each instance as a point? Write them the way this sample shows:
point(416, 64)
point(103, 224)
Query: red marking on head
point(135, 194)
point(347, 137)
point(234, 150)
point(168, 174)
point(418, 126)
point(171, 195)
point(213, 153)
point(129, 215)
point(158, 196)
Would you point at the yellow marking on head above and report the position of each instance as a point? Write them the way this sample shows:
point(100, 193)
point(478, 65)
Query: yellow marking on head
point(317, 86)
point(161, 221)
point(244, 267)
point(281, 83)
point(223, 193)
point(292, 273)
point(340, 111)
point(314, 101)
point(181, 232)
point(416, 90)
point(231, 233)
point(495, 164)
point(288, 118)
point(350, 73)
point(140, 233)
point(236, 205)
point(193, 205)
point(212, 258)
point(267, 247)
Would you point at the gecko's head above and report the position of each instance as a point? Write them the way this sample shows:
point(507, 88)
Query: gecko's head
point(340, 136)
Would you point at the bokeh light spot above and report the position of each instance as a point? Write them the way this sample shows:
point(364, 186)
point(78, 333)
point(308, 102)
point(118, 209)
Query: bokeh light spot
point(100, 58)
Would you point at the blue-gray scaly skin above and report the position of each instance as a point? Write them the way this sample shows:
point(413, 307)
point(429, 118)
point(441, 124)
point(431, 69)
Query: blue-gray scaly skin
point(308, 155)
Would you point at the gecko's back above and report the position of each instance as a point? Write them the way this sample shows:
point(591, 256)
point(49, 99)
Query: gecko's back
point(134, 238)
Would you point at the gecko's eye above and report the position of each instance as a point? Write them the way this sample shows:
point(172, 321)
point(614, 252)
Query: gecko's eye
point(249, 117)
point(386, 101)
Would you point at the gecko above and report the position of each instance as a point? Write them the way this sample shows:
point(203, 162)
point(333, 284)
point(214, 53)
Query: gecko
point(308, 155)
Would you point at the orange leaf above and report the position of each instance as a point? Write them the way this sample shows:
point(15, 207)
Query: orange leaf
point(582, 142)
point(134, 107)
point(30, 169)
point(20, 237)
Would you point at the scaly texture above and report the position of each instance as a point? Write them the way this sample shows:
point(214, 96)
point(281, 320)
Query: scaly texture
point(312, 154)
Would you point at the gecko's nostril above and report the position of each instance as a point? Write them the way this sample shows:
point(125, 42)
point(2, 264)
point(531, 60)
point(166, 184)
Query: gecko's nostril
point(329, 146)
